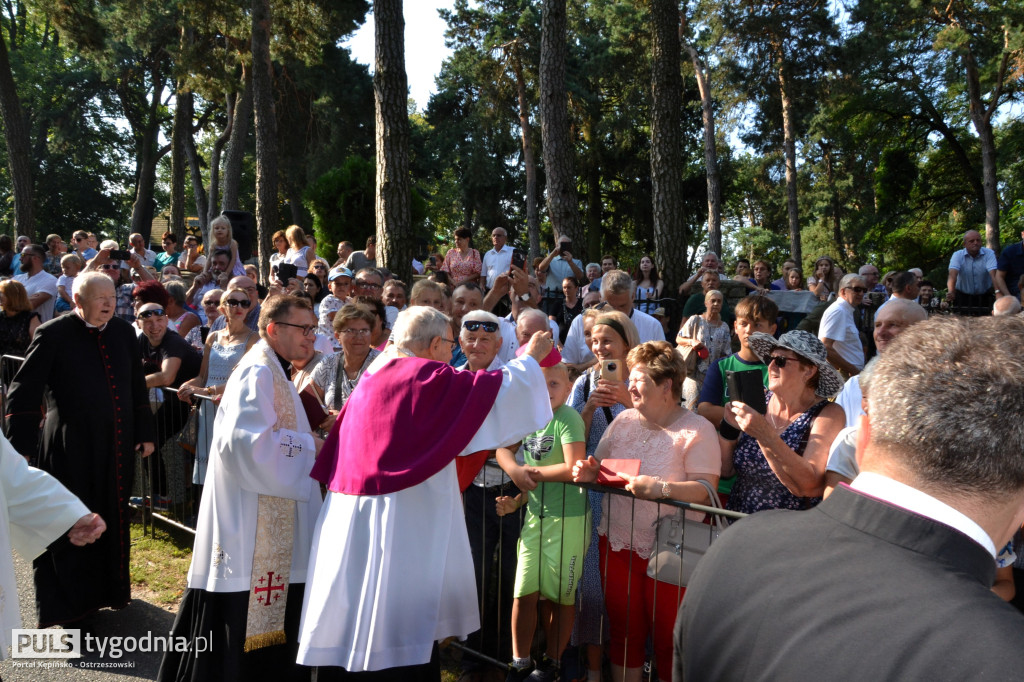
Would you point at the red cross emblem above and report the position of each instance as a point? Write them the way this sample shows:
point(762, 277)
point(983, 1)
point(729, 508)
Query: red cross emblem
point(268, 589)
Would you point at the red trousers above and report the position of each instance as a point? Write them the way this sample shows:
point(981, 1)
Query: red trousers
point(638, 604)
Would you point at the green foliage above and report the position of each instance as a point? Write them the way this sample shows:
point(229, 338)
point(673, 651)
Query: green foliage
point(342, 202)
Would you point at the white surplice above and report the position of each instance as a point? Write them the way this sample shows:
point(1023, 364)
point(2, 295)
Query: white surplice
point(35, 510)
point(391, 574)
point(248, 458)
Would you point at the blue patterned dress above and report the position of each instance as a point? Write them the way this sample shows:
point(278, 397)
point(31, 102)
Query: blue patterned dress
point(591, 624)
point(757, 487)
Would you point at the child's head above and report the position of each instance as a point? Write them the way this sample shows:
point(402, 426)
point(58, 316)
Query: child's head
point(755, 314)
point(220, 231)
point(557, 379)
point(427, 293)
point(71, 264)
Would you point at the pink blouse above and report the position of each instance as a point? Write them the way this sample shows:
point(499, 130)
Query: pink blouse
point(460, 267)
point(686, 450)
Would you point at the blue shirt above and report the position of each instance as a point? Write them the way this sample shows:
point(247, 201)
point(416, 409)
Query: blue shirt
point(1011, 263)
point(558, 270)
point(973, 271)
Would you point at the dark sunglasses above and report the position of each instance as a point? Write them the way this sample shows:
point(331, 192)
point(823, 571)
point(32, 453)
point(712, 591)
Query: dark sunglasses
point(234, 302)
point(159, 312)
point(110, 266)
point(859, 290)
point(780, 361)
point(473, 325)
point(210, 303)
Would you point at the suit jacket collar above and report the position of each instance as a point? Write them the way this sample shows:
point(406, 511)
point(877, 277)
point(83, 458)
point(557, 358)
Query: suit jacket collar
point(912, 531)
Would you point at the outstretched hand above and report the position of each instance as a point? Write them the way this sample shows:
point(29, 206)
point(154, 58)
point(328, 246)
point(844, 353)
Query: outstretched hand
point(87, 530)
point(585, 470)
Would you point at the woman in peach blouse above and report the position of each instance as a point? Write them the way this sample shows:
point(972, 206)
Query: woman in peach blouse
point(462, 263)
point(675, 448)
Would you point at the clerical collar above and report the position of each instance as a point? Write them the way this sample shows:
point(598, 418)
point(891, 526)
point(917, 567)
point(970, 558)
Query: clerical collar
point(285, 365)
point(902, 495)
point(90, 325)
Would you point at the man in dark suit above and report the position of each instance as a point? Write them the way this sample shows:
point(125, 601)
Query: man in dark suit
point(891, 576)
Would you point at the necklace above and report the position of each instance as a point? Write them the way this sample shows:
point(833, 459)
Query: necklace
point(775, 424)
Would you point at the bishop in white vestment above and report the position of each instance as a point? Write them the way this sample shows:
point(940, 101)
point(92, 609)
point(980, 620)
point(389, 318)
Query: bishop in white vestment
point(390, 568)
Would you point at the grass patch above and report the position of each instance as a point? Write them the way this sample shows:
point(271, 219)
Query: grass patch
point(159, 565)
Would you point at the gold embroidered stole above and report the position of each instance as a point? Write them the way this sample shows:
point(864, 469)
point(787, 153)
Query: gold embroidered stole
point(275, 525)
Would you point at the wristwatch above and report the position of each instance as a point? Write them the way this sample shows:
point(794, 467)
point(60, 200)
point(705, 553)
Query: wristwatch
point(664, 489)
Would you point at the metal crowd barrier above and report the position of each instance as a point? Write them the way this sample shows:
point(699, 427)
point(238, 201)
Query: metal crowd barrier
point(495, 571)
point(168, 484)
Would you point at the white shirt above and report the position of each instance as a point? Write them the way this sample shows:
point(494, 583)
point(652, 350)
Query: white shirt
point(838, 324)
point(912, 499)
point(491, 476)
point(393, 573)
point(41, 282)
point(850, 400)
point(496, 263)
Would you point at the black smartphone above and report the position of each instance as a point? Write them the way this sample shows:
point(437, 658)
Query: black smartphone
point(120, 255)
point(565, 246)
point(518, 258)
point(747, 387)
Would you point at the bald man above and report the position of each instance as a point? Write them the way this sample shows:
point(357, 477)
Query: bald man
point(972, 275)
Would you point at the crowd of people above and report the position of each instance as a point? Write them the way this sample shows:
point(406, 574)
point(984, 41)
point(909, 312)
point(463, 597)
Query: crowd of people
point(320, 502)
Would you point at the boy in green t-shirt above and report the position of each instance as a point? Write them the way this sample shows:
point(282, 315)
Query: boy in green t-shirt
point(555, 534)
point(753, 314)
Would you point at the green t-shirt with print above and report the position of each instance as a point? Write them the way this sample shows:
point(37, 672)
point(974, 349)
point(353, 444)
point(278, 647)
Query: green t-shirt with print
point(544, 448)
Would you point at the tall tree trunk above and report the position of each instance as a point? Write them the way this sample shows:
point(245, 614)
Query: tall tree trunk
point(218, 147)
point(236, 148)
point(182, 127)
point(835, 206)
point(667, 144)
point(981, 116)
point(196, 172)
point(529, 161)
point(19, 155)
point(294, 203)
point(554, 123)
point(789, 150)
point(593, 172)
point(395, 242)
point(148, 155)
point(707, 112)
point(266, 134)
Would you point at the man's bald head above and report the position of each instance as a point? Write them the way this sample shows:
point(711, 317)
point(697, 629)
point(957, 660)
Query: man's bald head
point(247, 284)
point(894, 318)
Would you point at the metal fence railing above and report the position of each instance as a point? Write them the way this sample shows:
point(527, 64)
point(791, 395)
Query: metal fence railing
point(650, 605)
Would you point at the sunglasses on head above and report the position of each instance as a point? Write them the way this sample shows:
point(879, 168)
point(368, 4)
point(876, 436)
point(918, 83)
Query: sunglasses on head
point(234, 302)
point(473, 325)
point(159, 312)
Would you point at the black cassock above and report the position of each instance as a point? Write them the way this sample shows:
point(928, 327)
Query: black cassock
point(91, 385)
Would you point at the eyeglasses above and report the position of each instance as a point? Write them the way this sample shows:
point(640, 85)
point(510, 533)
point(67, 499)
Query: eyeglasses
point(145, 315)
point(473, 325)
point(244, 302)
point(307, 329)
point(355, 332)
point(367, 285)
point(451, 341)
point(319, 267)
point(79, 239)
point(859, 290)
point(110, 266)
point(781, 360)
point(211, 303)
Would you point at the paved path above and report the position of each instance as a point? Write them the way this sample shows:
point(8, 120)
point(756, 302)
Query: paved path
point(137, 619)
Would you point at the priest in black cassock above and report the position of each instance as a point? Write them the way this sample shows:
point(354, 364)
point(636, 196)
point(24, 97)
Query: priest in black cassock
point(83, 379)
